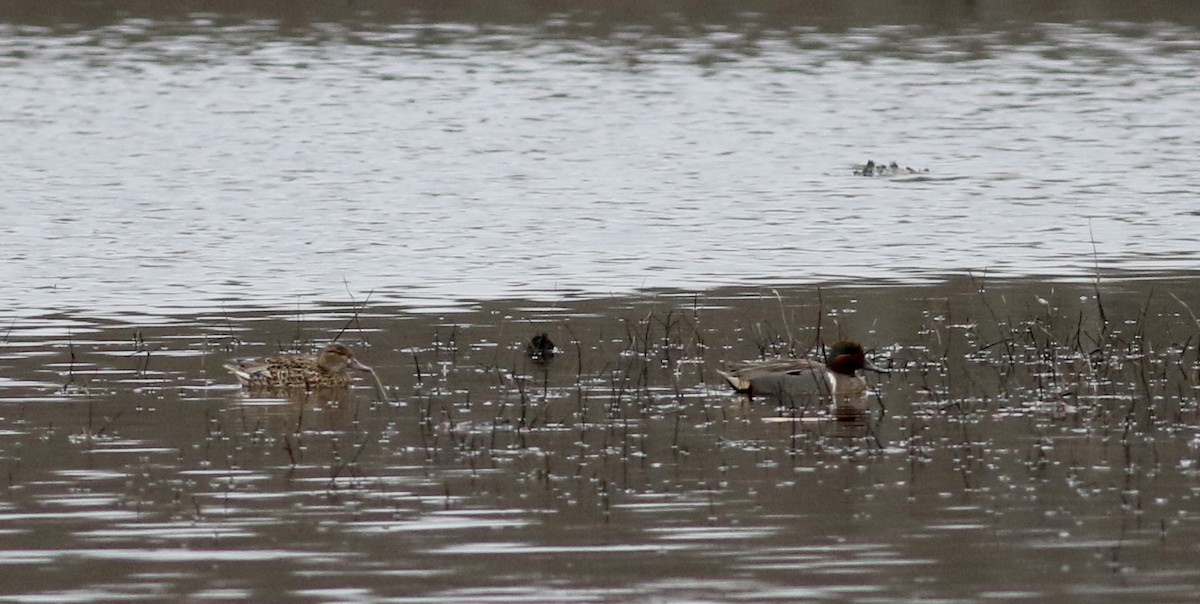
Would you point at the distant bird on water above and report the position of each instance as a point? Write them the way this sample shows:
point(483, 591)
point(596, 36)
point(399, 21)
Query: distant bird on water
point(804, 379)
point(540, 347)
point(328, 369)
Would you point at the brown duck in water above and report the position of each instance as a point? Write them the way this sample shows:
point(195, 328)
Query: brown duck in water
point(327, 370)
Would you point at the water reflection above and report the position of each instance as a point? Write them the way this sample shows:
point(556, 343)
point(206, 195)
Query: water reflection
point(1026, 426)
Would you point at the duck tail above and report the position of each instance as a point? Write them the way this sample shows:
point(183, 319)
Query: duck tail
point(239, 371)
point(739, 384)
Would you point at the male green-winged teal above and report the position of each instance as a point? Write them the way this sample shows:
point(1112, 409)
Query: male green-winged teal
point(803, 379)
point(327, 370)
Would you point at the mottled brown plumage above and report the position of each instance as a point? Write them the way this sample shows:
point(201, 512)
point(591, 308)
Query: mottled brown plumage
point(328, 369)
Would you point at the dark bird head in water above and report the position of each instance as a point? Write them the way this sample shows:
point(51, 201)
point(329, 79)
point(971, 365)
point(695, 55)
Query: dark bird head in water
point(847, 356)
point(540, 347)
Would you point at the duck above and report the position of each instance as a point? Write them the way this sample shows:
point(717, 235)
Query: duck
point(893, 169)
point(805, 379)
point(329, 369)
point(541, 348)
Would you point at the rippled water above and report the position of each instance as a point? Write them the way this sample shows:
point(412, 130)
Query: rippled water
point(662, 190)
point(1022, 448)
point(186, 163)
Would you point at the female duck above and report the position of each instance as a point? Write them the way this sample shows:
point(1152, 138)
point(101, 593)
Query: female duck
point(801, 380)
point(327, 370)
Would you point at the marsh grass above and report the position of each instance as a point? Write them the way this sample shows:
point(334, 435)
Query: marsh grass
point(1059, 410)
point(989, 386)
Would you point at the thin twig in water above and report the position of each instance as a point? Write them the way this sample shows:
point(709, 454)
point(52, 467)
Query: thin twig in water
point(298, 339)
point(1096, 287)
point(578, 353)
point(8, 331)
point(336, 471)
point(1187, 308)
point(356, 308)
point(816, 345)
point(786, 328)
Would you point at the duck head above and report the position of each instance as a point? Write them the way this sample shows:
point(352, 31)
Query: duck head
point(847, 356)
point(336, 358)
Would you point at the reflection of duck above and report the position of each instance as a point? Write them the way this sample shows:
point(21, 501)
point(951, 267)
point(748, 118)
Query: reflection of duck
point(804, 379)
point(893, 169)
point(328, 369)
point(540, 347)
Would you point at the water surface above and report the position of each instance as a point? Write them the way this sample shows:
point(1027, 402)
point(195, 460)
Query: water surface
point(661, 190)
point(208, 159)
point(1022, 448)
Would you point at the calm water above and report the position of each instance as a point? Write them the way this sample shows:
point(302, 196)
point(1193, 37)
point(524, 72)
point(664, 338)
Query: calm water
point(661, 190)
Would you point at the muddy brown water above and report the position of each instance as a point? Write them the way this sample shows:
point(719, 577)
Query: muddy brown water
point(1022, 448)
